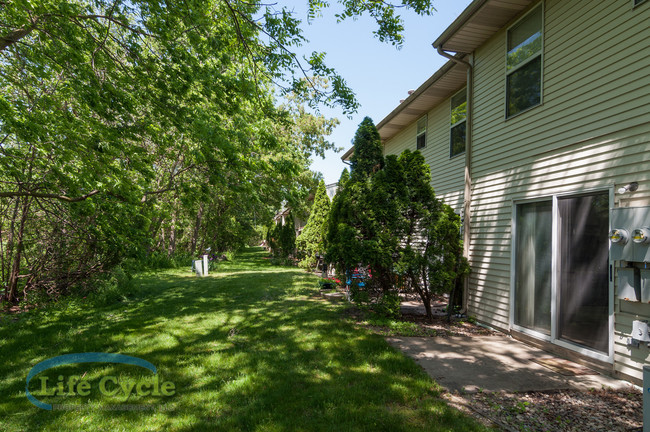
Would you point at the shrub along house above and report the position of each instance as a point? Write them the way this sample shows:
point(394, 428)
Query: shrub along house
point(537, 131)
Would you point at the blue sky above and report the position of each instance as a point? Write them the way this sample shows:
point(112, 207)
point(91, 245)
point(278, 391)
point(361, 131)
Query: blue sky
point(379, 73)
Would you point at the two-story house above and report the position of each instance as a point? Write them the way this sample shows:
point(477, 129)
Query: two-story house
point(537, 131)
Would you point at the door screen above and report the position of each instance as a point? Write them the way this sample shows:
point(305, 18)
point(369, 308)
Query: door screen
point(583, 270)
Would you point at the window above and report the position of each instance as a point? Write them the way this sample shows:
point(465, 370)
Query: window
point(524, 63)
point(638, 2)
point(421, 140)
point(458, 123)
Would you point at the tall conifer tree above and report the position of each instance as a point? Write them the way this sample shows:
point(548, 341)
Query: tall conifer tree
point(311, 241)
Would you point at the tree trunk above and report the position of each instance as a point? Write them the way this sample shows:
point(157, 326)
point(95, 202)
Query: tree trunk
point(197, 227)
point(453, 298)
point(427, 308)
point(8, 253)
point(11, 295)
point(172, 236)
point(424, 293)
point(161, 243)
point(155, 227)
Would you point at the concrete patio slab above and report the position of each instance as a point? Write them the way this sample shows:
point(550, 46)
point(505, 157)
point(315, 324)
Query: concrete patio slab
point(494, 363)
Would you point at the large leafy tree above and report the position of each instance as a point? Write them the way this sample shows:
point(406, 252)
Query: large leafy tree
point(128, 126)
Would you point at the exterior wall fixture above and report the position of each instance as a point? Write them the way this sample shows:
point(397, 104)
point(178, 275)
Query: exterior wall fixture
point(630, 187)
point(619, 236)
point(641, 235)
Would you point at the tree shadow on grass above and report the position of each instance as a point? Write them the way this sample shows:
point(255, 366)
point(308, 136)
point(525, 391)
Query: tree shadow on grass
point(246, 348)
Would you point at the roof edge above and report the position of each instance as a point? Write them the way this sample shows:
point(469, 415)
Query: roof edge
point(458, 23)
point(347, 154)
point(444, 69)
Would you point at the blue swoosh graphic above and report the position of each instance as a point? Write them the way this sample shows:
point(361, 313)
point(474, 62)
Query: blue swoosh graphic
point(92, 357)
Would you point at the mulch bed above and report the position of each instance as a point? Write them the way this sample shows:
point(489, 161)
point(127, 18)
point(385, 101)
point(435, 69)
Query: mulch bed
point(596, 410)
point(440, 326)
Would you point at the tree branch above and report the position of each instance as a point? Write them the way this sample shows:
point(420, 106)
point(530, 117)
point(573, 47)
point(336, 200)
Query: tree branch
point(114, 20)
point(46, 195)
point(16, 35)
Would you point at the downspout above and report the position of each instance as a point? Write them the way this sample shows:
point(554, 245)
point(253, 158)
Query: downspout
point(467, 200)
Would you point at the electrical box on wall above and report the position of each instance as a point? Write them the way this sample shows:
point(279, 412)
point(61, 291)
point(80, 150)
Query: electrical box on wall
point(640, 331)
point(629, 285)
point(644, 282)
point(630, 234)
point(630, 250)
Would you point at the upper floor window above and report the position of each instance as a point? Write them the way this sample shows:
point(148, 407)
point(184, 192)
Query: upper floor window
point(421, 136)
point(524, 63)
point(638, 2)
point(458, 123)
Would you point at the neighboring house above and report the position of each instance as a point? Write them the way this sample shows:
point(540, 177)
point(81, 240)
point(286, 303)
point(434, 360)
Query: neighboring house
point(331, 190)
point(281, 216)
point(537, 132)
point(299, 223)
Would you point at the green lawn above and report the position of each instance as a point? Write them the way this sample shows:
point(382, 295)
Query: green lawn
point(247, 348)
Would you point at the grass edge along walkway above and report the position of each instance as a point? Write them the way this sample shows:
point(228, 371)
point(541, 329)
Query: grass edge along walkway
point(247, 348)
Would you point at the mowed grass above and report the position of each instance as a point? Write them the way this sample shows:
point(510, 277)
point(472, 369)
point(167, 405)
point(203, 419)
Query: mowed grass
point(247, 348)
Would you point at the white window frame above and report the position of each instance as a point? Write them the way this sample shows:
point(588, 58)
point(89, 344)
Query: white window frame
point(452, 126)
point(418, 133)
point(524, 63)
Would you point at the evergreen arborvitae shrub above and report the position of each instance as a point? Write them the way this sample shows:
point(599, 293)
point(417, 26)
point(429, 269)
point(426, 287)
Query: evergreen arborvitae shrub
point(368, 155)
point(287, 237)
point(387, 218)
point(311, 241)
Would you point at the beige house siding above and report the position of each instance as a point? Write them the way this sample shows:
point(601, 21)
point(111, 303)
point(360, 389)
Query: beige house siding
point(447, 175)
point(592, 131)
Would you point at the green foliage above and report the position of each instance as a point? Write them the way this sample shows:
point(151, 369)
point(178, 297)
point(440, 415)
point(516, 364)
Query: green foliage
point(390, 221)
point(360, 296)
point(311, 241)
point(431, 260)
point(390, 26)
point(133, 127)
point(132, 130)
point(281, 239)
point(343, 180)
point(368, 156)
point(287, 237)
point(364, 212)
point(117, 287)
point(388, 305)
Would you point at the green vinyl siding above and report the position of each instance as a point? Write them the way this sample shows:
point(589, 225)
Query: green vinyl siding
point(592, 131)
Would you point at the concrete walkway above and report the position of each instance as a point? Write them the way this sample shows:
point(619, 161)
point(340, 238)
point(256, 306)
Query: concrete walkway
point(497, 363)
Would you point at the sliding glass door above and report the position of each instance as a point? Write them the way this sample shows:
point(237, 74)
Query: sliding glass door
point(560, 281)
